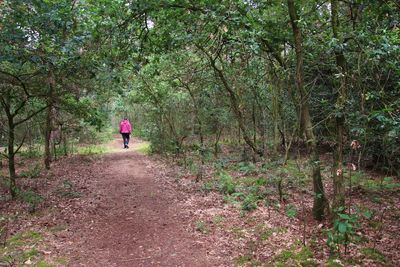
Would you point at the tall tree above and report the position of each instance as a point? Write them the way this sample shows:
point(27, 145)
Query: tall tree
point(338, 180)
point(319, 194)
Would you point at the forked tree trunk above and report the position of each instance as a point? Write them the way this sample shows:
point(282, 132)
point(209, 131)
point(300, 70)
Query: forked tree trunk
point(319, 195)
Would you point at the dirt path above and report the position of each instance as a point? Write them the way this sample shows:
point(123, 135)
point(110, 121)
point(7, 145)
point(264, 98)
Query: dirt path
point(131, 218)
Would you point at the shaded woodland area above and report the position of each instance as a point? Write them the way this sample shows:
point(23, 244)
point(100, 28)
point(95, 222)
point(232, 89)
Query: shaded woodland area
point(290, 107)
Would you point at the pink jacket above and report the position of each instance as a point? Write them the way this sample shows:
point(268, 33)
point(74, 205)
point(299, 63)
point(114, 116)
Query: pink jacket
point(125, 127)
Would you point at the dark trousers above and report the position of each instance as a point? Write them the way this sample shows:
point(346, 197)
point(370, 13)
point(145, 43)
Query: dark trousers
point(125, 137)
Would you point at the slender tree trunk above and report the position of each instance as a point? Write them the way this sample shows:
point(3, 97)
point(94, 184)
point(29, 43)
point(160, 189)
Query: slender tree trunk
point(275, 113)
point(47, 136)
point(319, 195)
point(253, 116)
point(236, 110)
point(338, 178)
point(49, 117)
point(11, 157)
point(217, 137)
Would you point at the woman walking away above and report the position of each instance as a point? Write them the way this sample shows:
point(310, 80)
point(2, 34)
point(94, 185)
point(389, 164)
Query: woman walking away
point(125, 129)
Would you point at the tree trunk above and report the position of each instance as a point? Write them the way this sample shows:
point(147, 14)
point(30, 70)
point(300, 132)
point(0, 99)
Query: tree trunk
point(275, 115)
point(319, 195)
point(47, 141)
point(338, 178)
point(49, 117)
point(11, 157)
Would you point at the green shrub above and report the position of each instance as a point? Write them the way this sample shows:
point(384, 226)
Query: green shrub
point(250, 202)
point(343, 230)
point(291, 211)
point(226, 184)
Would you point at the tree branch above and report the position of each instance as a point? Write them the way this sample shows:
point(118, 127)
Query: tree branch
point(31, 115)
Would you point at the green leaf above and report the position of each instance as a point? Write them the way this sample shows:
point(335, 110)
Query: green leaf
point(342, 227)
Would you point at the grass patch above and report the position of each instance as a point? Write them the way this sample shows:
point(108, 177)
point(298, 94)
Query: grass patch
point(43, 264)
point(295, 256)
point(201, 226)
point(20, 248)
point(92, 150)
point(62, 260)
point(376, 256)
point(361, 180)
point(264, 232)
point(245, 260)
point(218, 219)
point(143, 148)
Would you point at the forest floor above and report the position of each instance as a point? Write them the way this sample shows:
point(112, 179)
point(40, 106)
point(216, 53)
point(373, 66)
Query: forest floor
point(125, 208)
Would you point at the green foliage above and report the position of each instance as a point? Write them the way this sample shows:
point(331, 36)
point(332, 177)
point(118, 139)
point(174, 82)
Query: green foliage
point(208, 186)
point(43, 264)
point(226, 184)
point(295, 257)
point(264, 232)
point(31, 153)
point(291, 211)
point(143, 148)
point(249, 202)
point(361, 180)
point(218, 219)
point(246, 168)
point(343, 230)
point(246, 260)
point(92, 150)
point(20, 248)
point(375, 255)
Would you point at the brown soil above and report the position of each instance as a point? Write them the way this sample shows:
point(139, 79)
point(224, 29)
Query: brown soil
point(128, 216)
